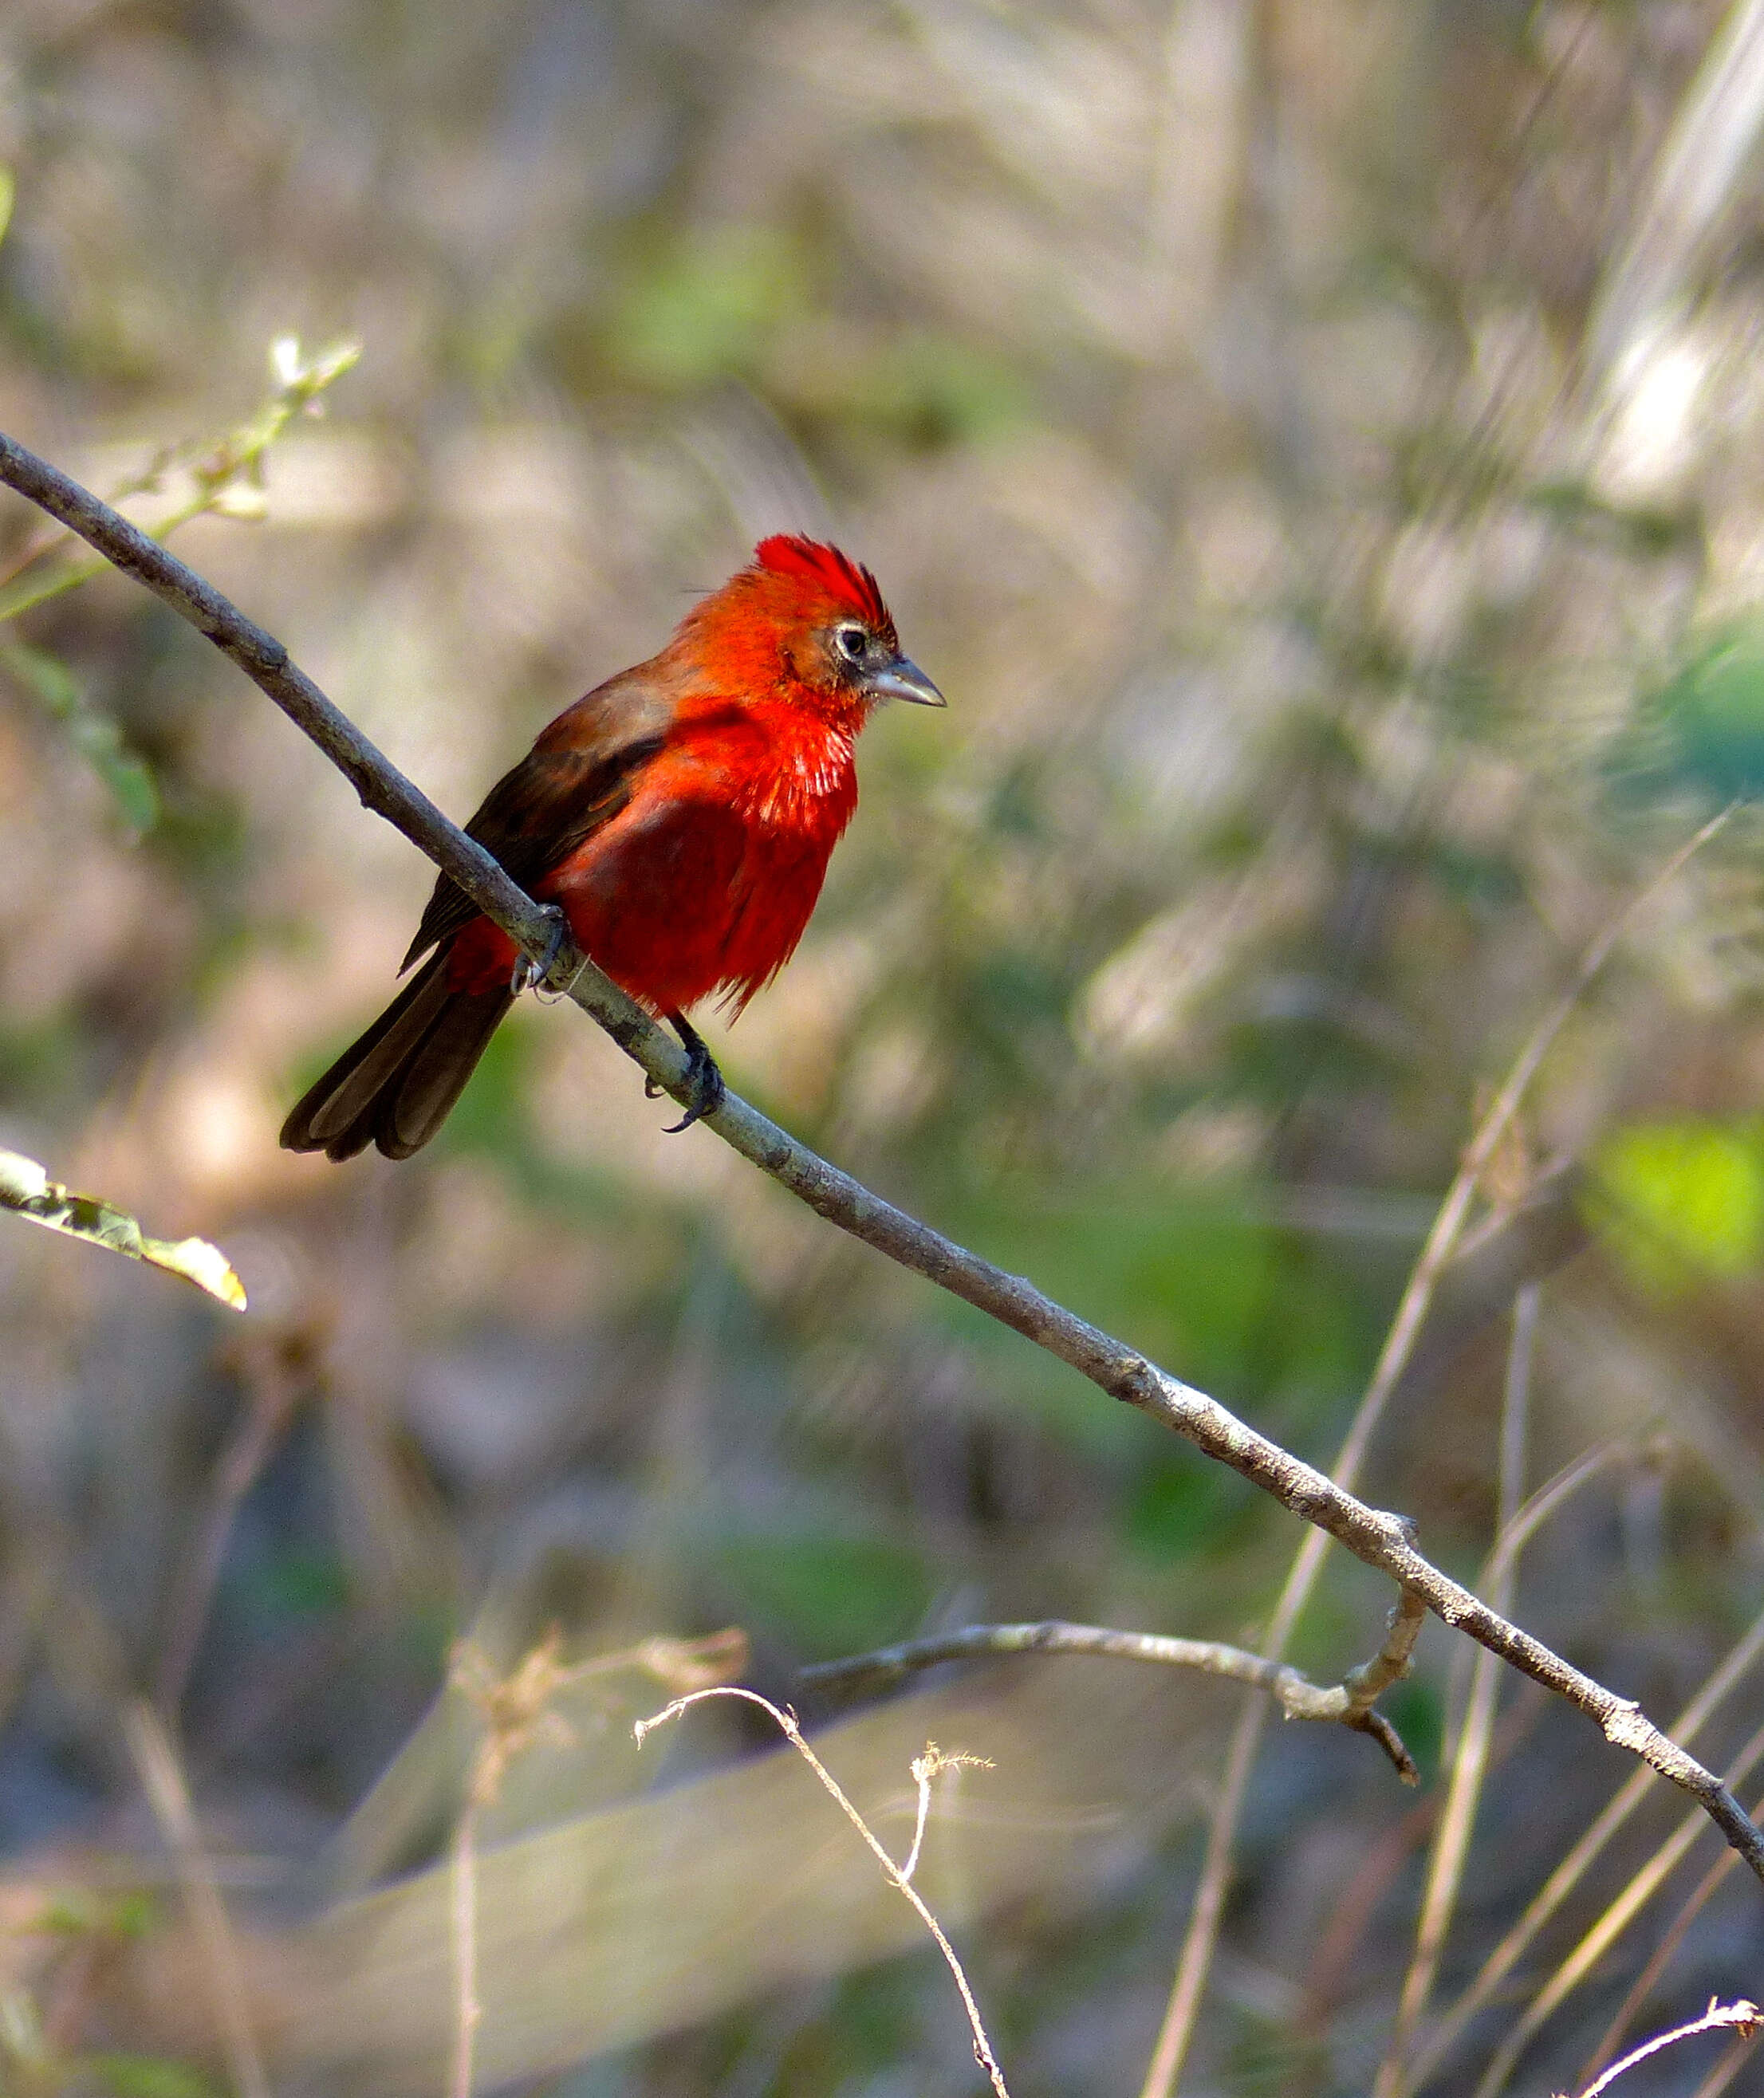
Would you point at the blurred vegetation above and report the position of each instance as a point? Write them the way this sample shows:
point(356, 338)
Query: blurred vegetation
point(1336, 513)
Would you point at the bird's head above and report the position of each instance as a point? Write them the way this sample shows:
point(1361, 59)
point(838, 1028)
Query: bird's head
point(807, 618)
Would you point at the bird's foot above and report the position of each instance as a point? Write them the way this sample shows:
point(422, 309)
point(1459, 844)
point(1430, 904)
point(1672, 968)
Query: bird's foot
point(527, 972)
point(705, 1090)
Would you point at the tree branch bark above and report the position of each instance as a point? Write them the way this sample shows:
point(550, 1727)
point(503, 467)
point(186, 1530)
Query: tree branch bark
point(1350, 1703)
point(1382, 1540)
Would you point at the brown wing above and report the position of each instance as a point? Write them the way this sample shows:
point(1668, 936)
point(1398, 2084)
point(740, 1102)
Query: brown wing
point(577, 777)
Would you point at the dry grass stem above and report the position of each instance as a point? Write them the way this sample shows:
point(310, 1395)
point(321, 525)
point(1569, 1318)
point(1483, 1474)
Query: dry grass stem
point(1641, 1990)
point(1721, 2075)
point(162, 1779)
point(516, 1713)
point(1171, 2046)
point(897, 1875)
point(1449, 2026)
point(1469, 1764)
point(272, 1388)
point(1604, 1932)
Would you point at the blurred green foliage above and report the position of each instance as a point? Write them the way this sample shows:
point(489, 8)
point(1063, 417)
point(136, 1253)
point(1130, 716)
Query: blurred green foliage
point(706, 305)
point(96, 736)
point(825, 1594)
point(1681, 1202)
point(1188, 1276)
point(1706, 727)
point(146, 2076)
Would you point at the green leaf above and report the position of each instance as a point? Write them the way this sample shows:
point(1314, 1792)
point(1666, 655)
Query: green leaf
point(94, 735)
point(27, 1191)
point(46, 677)
point(86, 1912)
point(1681, 1201)
point(8, 194)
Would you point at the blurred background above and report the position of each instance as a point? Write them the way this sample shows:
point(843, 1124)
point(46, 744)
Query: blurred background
point(1317, 450)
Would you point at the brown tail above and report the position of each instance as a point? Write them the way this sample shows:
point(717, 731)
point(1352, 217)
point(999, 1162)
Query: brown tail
point(394, 1087)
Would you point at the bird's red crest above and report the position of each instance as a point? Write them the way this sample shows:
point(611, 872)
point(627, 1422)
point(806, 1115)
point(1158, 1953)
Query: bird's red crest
point(847, 580)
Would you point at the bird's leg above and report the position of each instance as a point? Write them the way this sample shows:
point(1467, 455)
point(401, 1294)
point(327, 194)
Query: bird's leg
point(527, 971)
point(704, 1087)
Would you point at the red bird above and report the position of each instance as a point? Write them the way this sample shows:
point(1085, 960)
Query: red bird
point(681, 816)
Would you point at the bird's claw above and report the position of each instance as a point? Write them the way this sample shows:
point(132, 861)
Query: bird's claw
point(527, 972)
point(705, 1091)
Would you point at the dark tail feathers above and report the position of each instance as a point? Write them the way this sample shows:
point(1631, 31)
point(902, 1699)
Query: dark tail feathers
point(395, 1086)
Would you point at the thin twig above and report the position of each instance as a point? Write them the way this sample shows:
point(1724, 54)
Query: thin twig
point(1442, 1242)
point(1383, 1540)
point(1349, 1703)
point(896, 1875)
point(1743, 2017)
point(156, 1760)
point(222, 469)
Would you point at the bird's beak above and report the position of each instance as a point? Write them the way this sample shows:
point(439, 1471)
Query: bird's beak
point(902, 679)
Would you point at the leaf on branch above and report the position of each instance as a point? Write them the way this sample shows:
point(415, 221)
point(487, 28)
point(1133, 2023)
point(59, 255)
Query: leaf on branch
point(27, 1191)
point(92, 732)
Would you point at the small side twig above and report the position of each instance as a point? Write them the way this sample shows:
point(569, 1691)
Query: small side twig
point(224, 473)
point(926, 1768)
point(1350, 1703)
point(897, 1875)
point(1744, 2018)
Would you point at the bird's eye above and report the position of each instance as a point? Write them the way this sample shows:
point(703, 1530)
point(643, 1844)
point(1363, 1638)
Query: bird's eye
point(853, 641)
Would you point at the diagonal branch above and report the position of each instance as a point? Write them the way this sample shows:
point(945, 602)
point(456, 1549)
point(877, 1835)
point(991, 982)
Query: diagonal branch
point(1383, 1540)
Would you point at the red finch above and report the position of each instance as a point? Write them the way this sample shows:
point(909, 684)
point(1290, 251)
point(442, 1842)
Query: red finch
point(681, 816)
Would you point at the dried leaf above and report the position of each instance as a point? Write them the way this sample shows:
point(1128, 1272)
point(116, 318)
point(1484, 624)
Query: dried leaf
point(27, 1191)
